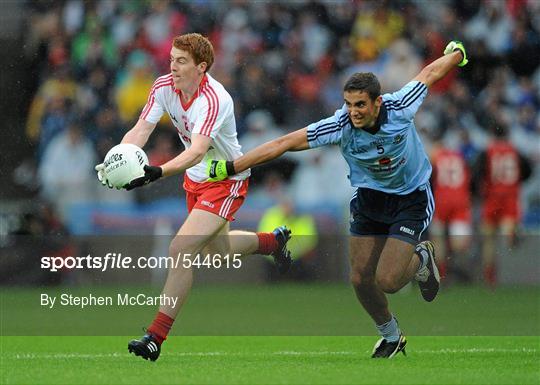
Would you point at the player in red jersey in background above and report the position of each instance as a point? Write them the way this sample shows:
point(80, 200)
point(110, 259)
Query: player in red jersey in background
point(452, 222)
point(501, 170)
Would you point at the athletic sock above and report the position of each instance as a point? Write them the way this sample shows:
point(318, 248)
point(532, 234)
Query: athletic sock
point(160, 326)
point(267, 243)
point(390, 330)
point(443, 269)
point(490, 275)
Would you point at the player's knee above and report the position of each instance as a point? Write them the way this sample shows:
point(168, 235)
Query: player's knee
point(359, 280)
point(184, 247)
point(388, 284)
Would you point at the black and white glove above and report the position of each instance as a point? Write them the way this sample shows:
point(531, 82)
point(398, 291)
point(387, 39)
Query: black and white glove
point(151, 174)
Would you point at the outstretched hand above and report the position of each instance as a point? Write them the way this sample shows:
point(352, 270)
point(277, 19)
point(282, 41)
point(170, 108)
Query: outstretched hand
point(218, 170)
point(456, 45)
point(151, 174)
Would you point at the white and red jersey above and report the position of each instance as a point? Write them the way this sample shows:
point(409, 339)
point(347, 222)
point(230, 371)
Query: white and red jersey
point(503, 174)
point(451, 176)
point(210, 112)
point(451, 185)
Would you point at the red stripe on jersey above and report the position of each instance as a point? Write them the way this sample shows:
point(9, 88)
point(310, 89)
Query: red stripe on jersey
point(213, 108)
point(160, 82)
point(210, 113)
point(167, 79)
point(211, 125)
point(157, 84)
point(147, 109)
point(151, 97)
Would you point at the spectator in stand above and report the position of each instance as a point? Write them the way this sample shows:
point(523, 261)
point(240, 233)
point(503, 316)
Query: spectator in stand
point(492, 24)
point(132, 91)
point(106, 130)
point(375, 29)
point(59, 86)
point(260, 128)
point(269, 58)
point(54, 123)
point(403, 64)
point(92, 46)
point(66, 170)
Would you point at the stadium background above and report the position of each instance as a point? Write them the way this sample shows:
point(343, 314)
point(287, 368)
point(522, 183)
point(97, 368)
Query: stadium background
point(75, 75)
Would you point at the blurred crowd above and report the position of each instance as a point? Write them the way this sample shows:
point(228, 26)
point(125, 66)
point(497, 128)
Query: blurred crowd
point(284, 63)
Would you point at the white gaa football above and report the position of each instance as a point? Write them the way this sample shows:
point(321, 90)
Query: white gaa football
point(123, 163)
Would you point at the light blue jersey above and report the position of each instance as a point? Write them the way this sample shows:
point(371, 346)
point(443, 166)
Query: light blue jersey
point(391, 159)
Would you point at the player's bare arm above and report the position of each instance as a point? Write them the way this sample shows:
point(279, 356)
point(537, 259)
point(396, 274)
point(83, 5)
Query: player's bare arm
point(190, 157)
point(139, 134)
point(295, 141)
point(454, 55)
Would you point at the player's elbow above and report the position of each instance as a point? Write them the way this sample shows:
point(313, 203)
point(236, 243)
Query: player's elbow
point(198, 155)
point(283, 144)
point(430, 74)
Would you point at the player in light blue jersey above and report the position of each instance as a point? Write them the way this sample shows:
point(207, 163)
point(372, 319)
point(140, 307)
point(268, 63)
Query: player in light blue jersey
point(393, 203)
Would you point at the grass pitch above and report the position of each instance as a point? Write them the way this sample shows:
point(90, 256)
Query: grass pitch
point(271, 360)
point(280, 334)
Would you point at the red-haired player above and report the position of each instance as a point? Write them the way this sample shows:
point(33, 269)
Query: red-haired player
point(202, 112)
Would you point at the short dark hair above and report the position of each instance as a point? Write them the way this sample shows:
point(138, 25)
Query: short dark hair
point(365, 82)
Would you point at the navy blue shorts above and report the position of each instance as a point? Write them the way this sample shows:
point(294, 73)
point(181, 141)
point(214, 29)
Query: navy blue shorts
point(406, 217)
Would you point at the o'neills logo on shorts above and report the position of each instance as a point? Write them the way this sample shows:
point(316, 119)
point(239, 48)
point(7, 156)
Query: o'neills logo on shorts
point(206, 203)
point(406, 230)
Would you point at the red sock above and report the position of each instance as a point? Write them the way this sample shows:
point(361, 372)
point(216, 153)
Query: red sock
point(490, 275)
point(443, 269)
point(267, 243)
point(160, 326)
